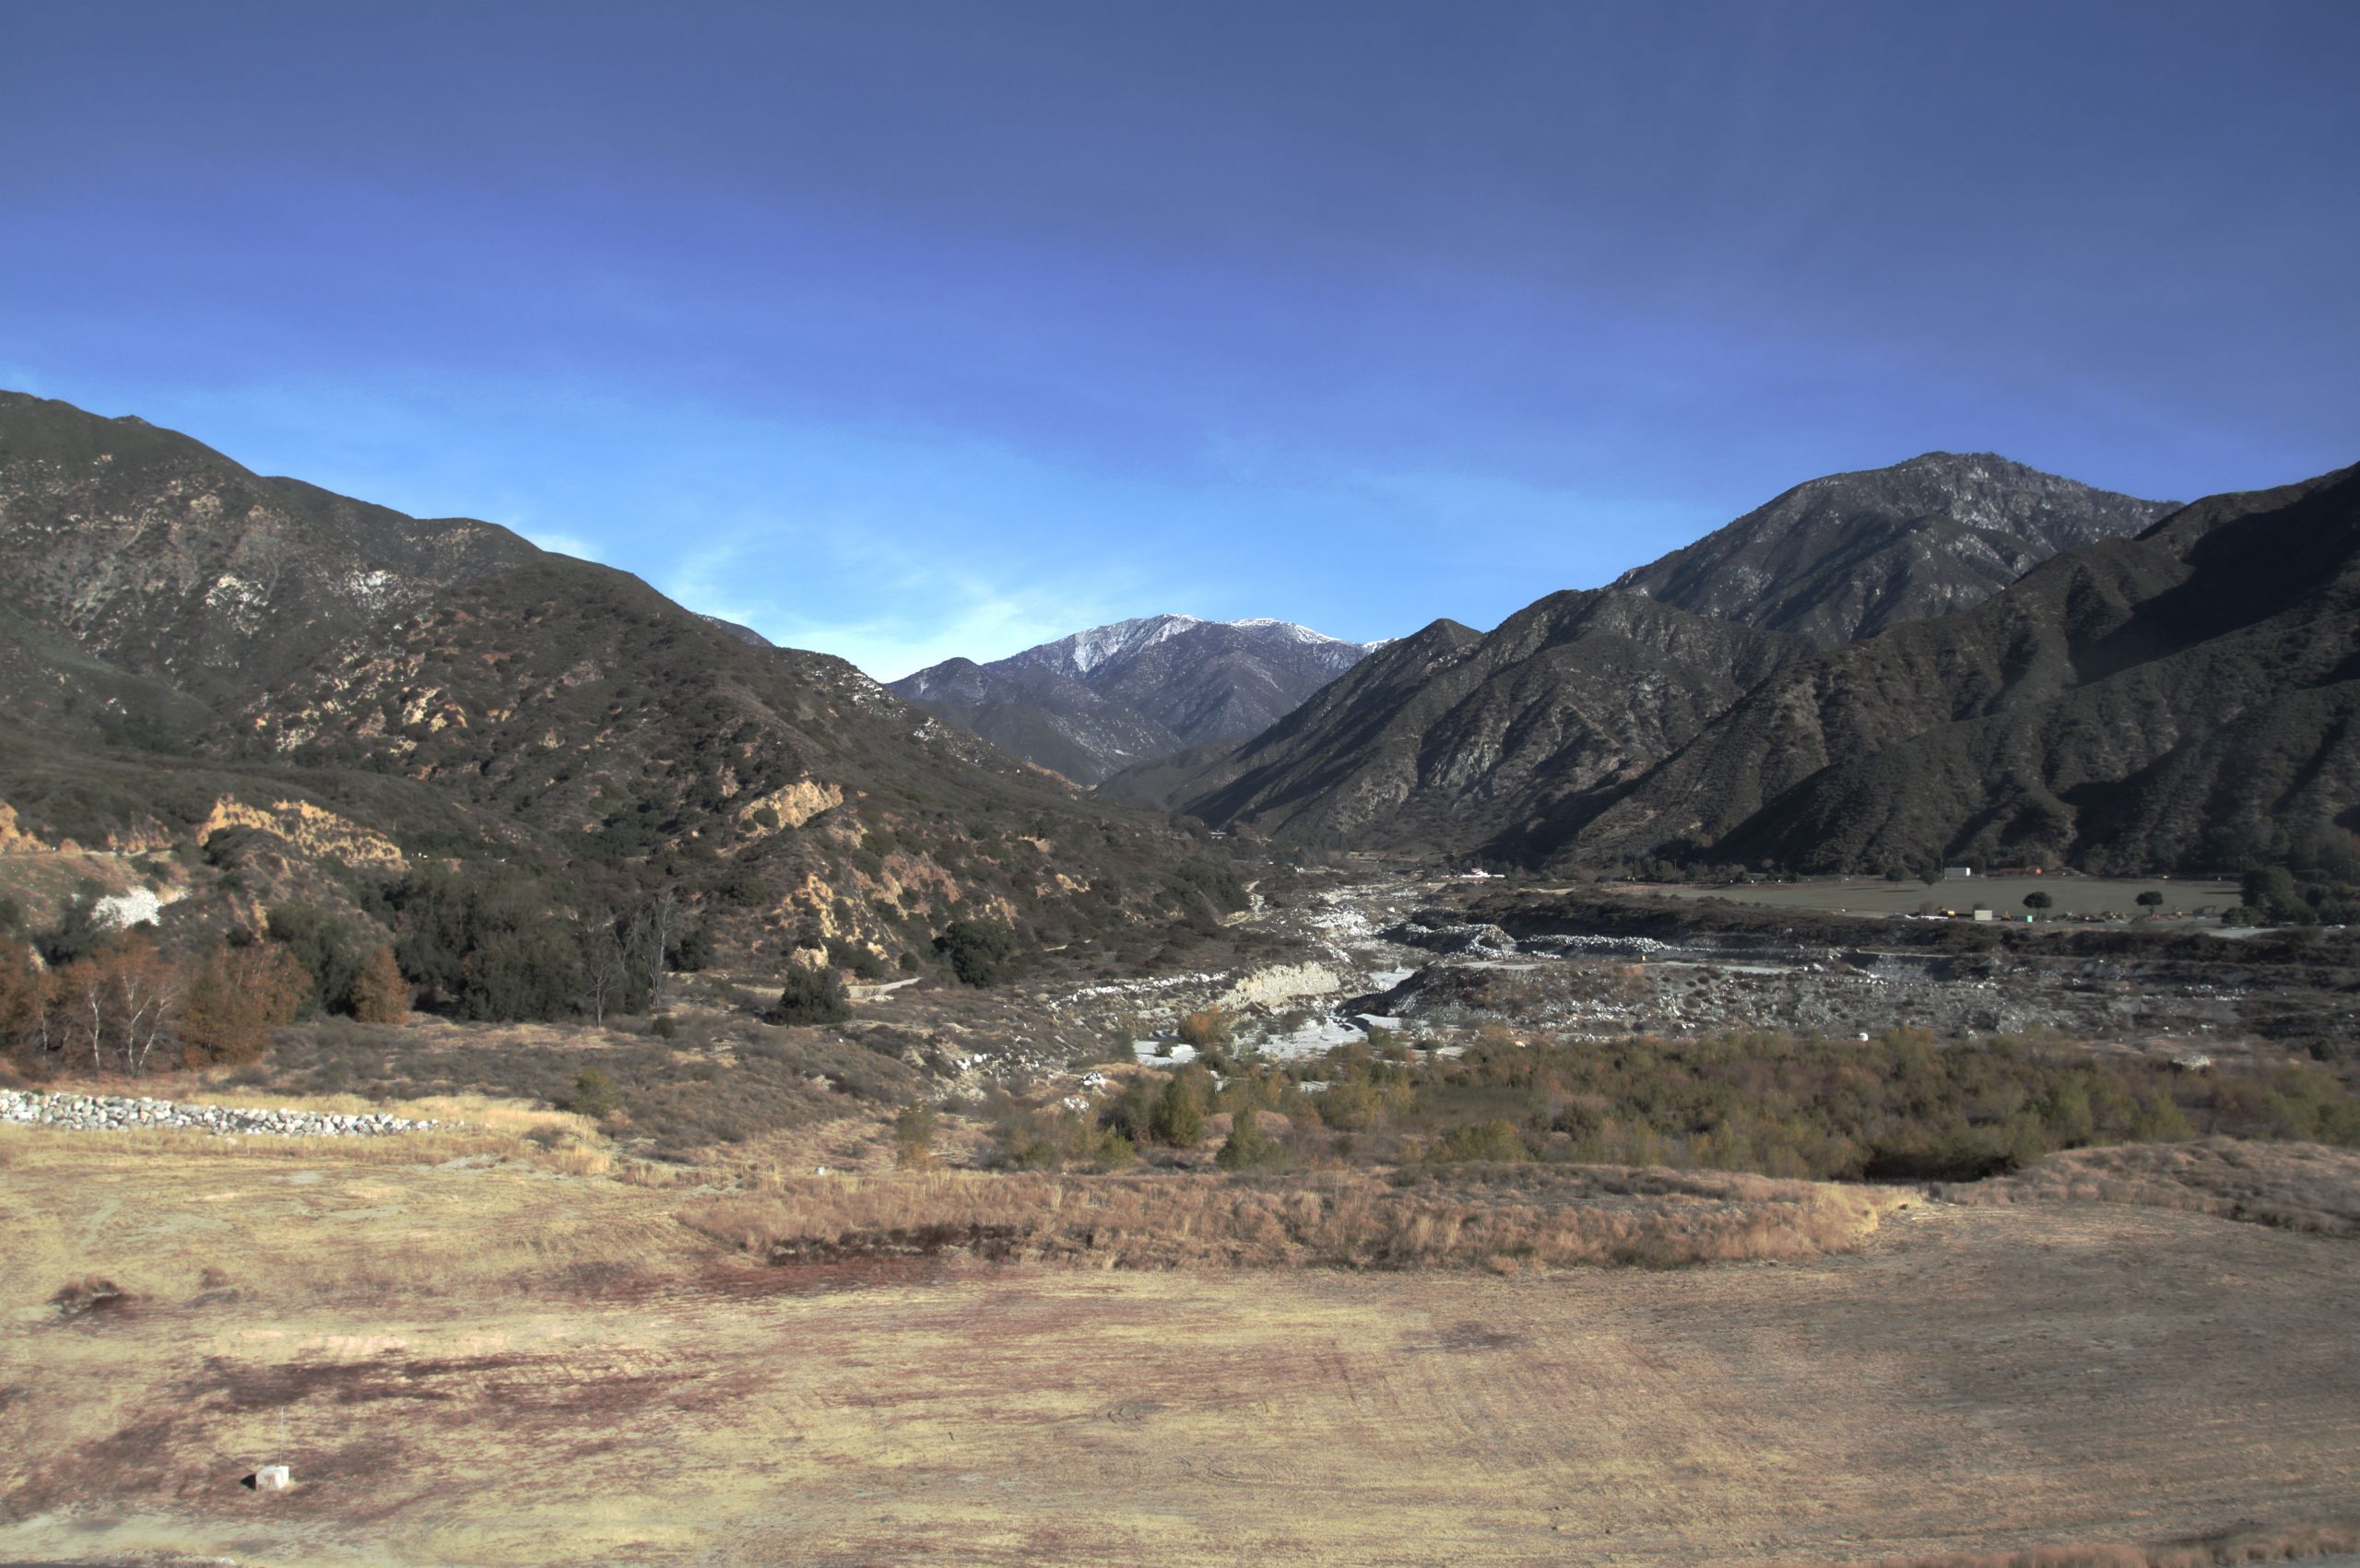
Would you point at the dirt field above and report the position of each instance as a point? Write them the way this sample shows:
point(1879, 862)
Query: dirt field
point(2005, 895)
point(488, 1364)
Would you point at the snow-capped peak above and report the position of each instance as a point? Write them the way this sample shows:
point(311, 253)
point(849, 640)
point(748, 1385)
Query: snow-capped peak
point(1086, 651)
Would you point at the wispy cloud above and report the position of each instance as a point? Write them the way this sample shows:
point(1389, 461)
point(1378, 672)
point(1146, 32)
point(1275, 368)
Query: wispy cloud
point(887, 608)
point(560, 542)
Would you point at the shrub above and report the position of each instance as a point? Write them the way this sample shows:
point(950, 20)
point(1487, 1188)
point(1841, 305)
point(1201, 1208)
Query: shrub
point(594, 1095)
point(913, 1129)
point(982, 952)
point(1205, 1026)
point(1247, 1146)
point(812, 996)
point(855, 957)
point(1494, 1139)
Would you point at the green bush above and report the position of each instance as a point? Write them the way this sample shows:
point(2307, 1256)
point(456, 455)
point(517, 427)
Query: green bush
point(595, 1096)
point(811, 997)
point(1178, 1118)
point(1494, 1139)
point(1248, 1147)
point(982, 952)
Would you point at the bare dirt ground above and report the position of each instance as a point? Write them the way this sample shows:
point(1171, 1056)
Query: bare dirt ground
point(493, 1364)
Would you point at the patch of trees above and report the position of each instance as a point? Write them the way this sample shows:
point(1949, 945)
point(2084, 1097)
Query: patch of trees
point(125, 1009)
point(1212, 881)
point(2273, 895)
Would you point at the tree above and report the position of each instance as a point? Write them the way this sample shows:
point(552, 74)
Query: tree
point(2272, 894)
point(813, 997)
point(518, 972)
point(2038, 900)
point(651, 935)
point(982, 952)
point(1178, 1118)
point(237, 1000)
point(380, 995)
point(607, 973)
point(28, 1016)
point(2152, 899)
point(1247, 1145)
point(330, 947)
point(115, 1007)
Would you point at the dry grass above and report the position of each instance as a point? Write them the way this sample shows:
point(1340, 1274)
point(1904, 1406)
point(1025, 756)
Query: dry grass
point(2246, 1545)
point(1532, 1219)
point(2295, 1186)
point(480, 1364)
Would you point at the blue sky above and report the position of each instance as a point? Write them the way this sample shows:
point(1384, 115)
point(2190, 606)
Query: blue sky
point(909, 330)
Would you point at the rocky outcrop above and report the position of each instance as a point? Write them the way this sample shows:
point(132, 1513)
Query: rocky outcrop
point(311, 830)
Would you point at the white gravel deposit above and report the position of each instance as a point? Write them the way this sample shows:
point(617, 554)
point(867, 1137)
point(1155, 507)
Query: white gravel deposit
point(102, 1113)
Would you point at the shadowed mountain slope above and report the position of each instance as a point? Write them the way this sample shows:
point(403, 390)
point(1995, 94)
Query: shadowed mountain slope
point(1847, 555)
point(1445, 738)
point(2167, 700)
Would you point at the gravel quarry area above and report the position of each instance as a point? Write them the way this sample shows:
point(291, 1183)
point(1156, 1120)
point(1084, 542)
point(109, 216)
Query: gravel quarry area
point(105, 1113)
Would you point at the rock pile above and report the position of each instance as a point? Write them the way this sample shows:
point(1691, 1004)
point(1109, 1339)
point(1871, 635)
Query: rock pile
point(101, 1113)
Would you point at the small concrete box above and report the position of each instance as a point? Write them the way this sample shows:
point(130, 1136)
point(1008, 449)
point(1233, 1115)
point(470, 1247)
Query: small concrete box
point(272, 1478)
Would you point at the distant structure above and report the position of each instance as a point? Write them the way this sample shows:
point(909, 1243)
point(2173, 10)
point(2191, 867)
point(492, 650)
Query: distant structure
point(1958, 870)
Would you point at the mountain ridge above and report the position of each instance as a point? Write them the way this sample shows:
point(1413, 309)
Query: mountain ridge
point(182, 628)
point(1490, 744)
point(1093, 703)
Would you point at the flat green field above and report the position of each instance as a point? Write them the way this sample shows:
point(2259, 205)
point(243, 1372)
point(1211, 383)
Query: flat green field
point(2073, 895)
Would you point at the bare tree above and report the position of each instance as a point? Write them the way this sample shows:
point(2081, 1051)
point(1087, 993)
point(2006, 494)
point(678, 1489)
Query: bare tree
point(606, 967)
point(117, 1006)
point(652, 925)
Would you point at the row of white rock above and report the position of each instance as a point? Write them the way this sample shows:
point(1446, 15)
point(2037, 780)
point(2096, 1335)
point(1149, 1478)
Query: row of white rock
point(99, 1113)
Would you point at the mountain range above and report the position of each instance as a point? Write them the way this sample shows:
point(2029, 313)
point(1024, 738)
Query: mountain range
point(187, 647)
point(1956, 656)
point(1089, 706)
point(1504, 744)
